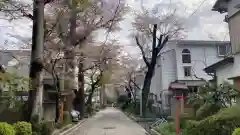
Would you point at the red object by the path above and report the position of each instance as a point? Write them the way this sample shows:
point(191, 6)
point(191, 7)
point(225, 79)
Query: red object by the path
point(178, 114)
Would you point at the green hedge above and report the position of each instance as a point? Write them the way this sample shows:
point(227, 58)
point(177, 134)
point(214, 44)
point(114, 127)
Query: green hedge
point(166, 129)
point(222, 123)
point(236, 131)
point(6, 129)
point(23, 128)
point(206, 110)
point(169, 129)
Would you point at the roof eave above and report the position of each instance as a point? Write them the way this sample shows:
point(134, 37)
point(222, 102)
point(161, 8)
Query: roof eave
point(212, 68)
point(220, 6)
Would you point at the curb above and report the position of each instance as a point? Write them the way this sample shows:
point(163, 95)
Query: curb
point(134, 119)
point(138, 119)
point(154, 132)
point(72, 128)
point(58, 131)
point(68, 128)
point(130, 116)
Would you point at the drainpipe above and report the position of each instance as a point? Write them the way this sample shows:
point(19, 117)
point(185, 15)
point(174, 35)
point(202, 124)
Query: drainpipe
point(215, 79)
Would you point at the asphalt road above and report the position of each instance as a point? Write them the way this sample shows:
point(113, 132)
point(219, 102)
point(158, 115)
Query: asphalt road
point(110, 121)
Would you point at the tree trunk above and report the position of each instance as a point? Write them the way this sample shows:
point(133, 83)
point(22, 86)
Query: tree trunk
point(146, 89)
point(73, 85)
point(71, 56)
point(60, 88)
point(36, 84)
point(102, 95)
point(80, 93)
point(89, 100)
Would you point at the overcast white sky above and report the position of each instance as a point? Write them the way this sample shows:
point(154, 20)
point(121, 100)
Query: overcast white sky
point(201, 25)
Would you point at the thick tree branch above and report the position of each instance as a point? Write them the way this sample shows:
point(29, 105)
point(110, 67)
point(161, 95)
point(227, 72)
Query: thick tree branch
point(161, 43)
point(142, 51)
point(154, 41)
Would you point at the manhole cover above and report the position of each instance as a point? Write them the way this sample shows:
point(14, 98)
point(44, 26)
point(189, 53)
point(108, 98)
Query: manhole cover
point(109, 128)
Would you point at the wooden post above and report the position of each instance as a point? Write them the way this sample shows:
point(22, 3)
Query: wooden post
point(177, 120)
point(178, 111)
point(61, 112)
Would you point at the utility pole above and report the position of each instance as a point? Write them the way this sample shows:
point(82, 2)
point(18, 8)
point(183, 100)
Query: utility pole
point(36, 84)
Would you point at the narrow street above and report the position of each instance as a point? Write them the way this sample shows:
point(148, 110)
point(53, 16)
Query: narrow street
point(110, 121)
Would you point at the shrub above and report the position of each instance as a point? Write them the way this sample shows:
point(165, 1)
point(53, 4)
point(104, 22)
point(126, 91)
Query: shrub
point(23, 128)
point(47, 128)
point(59, 125)
point(166, 129)
point(6, 129)
point(236, 131)
point(206, 110)
point(222, 123)
point(170, 118)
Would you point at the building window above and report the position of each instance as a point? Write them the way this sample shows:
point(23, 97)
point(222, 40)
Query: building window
point(193, 89)
point(186, 56)
point(187, 71)
point(224, 50)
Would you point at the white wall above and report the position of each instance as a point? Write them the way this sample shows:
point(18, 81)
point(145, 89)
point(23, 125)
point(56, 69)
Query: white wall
point(165, 72)
point(20, 66)
point(169, 65)
point(228, 71)
point(223, 74)
point(201, 57)
point(231, 7)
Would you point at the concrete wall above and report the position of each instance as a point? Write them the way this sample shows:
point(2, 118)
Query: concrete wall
point(49, 111)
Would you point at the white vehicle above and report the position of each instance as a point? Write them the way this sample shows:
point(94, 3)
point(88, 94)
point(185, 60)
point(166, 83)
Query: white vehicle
point(75, 115)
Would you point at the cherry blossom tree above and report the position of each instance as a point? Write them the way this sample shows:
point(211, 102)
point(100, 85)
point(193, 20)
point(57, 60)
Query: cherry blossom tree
point(152, 30)
point(68, 26)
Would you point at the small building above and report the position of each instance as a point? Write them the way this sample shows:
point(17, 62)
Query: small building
point(18, 61)
point(228, 69)
point(221, 70)
point(183, 61)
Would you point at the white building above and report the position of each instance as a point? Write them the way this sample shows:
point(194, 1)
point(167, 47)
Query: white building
point(16, 61)
point(183, 62)
point(228, 69)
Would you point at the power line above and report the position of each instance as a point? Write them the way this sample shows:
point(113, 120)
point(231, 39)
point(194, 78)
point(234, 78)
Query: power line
point(199, 6)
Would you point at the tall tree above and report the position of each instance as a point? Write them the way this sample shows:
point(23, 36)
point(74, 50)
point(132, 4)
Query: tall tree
point(97, 16)
point(166, 25)
point(36, 67)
